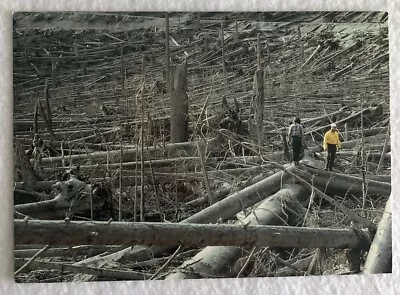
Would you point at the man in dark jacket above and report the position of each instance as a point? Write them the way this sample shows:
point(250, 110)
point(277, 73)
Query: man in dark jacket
point(296, 139)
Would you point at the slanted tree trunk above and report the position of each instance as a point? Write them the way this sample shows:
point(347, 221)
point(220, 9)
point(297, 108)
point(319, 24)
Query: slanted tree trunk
point(379, 259)
point(218, 261)
point(180, 106)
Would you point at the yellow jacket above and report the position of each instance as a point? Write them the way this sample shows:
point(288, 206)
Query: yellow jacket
point(331, 137)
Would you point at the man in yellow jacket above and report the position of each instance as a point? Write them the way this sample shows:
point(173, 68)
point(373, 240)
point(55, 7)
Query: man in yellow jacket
point(331, 144)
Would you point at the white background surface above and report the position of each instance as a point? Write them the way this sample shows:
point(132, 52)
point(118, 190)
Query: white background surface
point(356, 284)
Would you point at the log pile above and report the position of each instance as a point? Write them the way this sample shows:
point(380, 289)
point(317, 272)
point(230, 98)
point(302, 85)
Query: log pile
point(153, 146)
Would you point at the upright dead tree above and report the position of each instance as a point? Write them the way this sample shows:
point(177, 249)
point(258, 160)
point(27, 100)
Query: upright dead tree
point(46, 98)
point(54, 64)
point(258, 100)
point(180, 105)
point(167, 54)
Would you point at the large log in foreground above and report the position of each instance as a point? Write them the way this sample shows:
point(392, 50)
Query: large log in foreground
point(196, 235)
point(217, 261)
point(379, 259)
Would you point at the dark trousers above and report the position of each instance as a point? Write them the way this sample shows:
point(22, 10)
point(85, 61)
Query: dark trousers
point(330, 159)
point(296, 146)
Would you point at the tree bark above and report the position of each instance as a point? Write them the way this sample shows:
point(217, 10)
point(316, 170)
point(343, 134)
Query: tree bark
point(258, 106)
point(379, 258)
point(180, 106)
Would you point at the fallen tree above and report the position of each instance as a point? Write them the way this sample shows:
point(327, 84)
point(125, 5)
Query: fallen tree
point(368, 114)
point(379, 258)
point(57, 252)
point(342, 183)
point(351, 143)
point(102, 272)
point(217, 261)
point(129, 154)
point(171, 234)
point(72, 196)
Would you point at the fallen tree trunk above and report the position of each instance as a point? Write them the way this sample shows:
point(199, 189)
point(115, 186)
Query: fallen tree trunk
point(129, 154)
point(300, 265)
point(70, 251)
point(324, 118)
point(350, 144)
point(217, 261)
point(337, 182)
point(372, 157)
point(109, 273)
point(368, 132)
point(368, 114)
point(171, 234)
point(74, 197)
point(379, 178)
point(223, 209)
point(240, 200)
point(379, 258)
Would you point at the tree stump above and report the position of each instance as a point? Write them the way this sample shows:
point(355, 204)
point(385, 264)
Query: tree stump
point(180, 106)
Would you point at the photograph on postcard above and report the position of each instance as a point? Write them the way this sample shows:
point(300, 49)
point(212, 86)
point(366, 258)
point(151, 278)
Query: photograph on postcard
point(188, 145)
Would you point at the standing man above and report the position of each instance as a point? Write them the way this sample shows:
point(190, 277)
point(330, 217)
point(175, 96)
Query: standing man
point(296, 139)
point(332, 144)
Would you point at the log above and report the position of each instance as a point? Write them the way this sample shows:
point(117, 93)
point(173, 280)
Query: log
point(218, 261)
point(74, 196)
point(350, 144)
point(324, 118)
point(194, 235)
point(342, 183)
point(241, 200)
point(316, 51)
point(341, 72)
point(109, 273)
point(25, 196)
point(223, 209)
point(180, 106)
point(301, 265)
point(57, 252)
point(379, 258)
point(129, 154)
point(368, 113)
point(386, 148)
